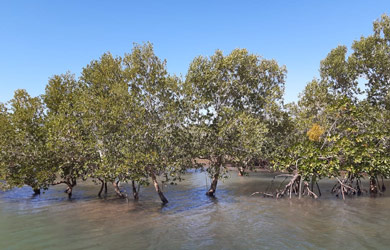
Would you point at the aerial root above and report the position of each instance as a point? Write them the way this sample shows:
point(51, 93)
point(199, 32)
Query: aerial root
point(348, 186)
point(293, 187)
point(345, 187)
point(352, 185)
point(309, 192)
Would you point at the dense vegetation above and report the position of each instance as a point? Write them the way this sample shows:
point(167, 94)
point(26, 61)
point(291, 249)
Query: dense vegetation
point(126, 119)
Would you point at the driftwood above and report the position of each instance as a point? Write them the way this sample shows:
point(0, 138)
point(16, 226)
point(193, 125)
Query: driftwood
point(264, 194)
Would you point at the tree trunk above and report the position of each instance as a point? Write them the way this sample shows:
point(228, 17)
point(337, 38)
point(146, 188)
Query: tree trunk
point(101, 188)
point(105, 187)
point(71, 183)
point(313, 179)
point(241, 171)
point(69, 190)
point(300, 187)
point(135, 191)
point(373, 186)
point(383, 185)
point(117, 190)
point(213, 186)
point(157, 187)
point(359, 191)
point(318, 187)
point(37, 191)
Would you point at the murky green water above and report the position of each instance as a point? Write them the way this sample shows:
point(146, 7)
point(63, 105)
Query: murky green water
point(191, 220)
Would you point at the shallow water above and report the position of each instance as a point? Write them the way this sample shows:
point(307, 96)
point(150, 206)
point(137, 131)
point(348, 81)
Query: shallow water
point(191, 220)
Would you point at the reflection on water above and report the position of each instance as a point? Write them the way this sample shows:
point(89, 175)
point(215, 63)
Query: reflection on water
point(191, 220)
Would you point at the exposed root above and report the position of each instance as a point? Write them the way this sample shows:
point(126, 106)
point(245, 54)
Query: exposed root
point(344, 187)
point(348, 186)
point(351, 185)
point(296, 186)
point(291, 187)
point(309, 192)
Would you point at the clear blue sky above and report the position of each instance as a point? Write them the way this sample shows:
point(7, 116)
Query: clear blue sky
point(41, 38)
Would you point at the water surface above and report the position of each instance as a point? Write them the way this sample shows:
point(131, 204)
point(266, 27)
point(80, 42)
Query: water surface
point(191, 220)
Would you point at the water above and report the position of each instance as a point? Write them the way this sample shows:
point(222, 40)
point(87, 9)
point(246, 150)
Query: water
point(191, 220)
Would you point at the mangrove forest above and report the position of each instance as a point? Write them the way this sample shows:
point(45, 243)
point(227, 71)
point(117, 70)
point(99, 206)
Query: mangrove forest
point(126, 119)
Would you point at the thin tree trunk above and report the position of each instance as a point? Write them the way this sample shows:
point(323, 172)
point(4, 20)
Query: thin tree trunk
point(383, 185)
point(300, 187)
point(241, 171)
point(71, 183)
point(358, 188)
point(214, 182)
point(117, 190)
point(157, 187)
point(313, 180)
point(105, 187)
point(342, 191)
point(373, 186)
point(135, 191)
point(101, 188)
point(318, 187)
point(213, 186)
point(69, 191)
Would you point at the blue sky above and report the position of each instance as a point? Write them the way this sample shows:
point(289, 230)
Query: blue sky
point(43, 38)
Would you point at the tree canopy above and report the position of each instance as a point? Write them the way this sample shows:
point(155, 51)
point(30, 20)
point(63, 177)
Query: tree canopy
point(126, 119)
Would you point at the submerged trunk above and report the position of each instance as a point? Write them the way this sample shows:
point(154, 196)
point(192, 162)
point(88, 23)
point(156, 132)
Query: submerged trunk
point(359, 190)
point(214, 182)
point(319, 190)
point(117, 190)
point(157, 187)
point(383, 185)
point(101, 188)
point(373, 186)
point(135, 191)
point(241, 171)
point(213, 186)
point(37, 191)
point(69, 190)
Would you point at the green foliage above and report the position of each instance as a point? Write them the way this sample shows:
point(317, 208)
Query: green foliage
point(346, 133)
point(162, 142)
point(234, 99)
point(68, 140)
point(371, 61)
point(24, 157)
